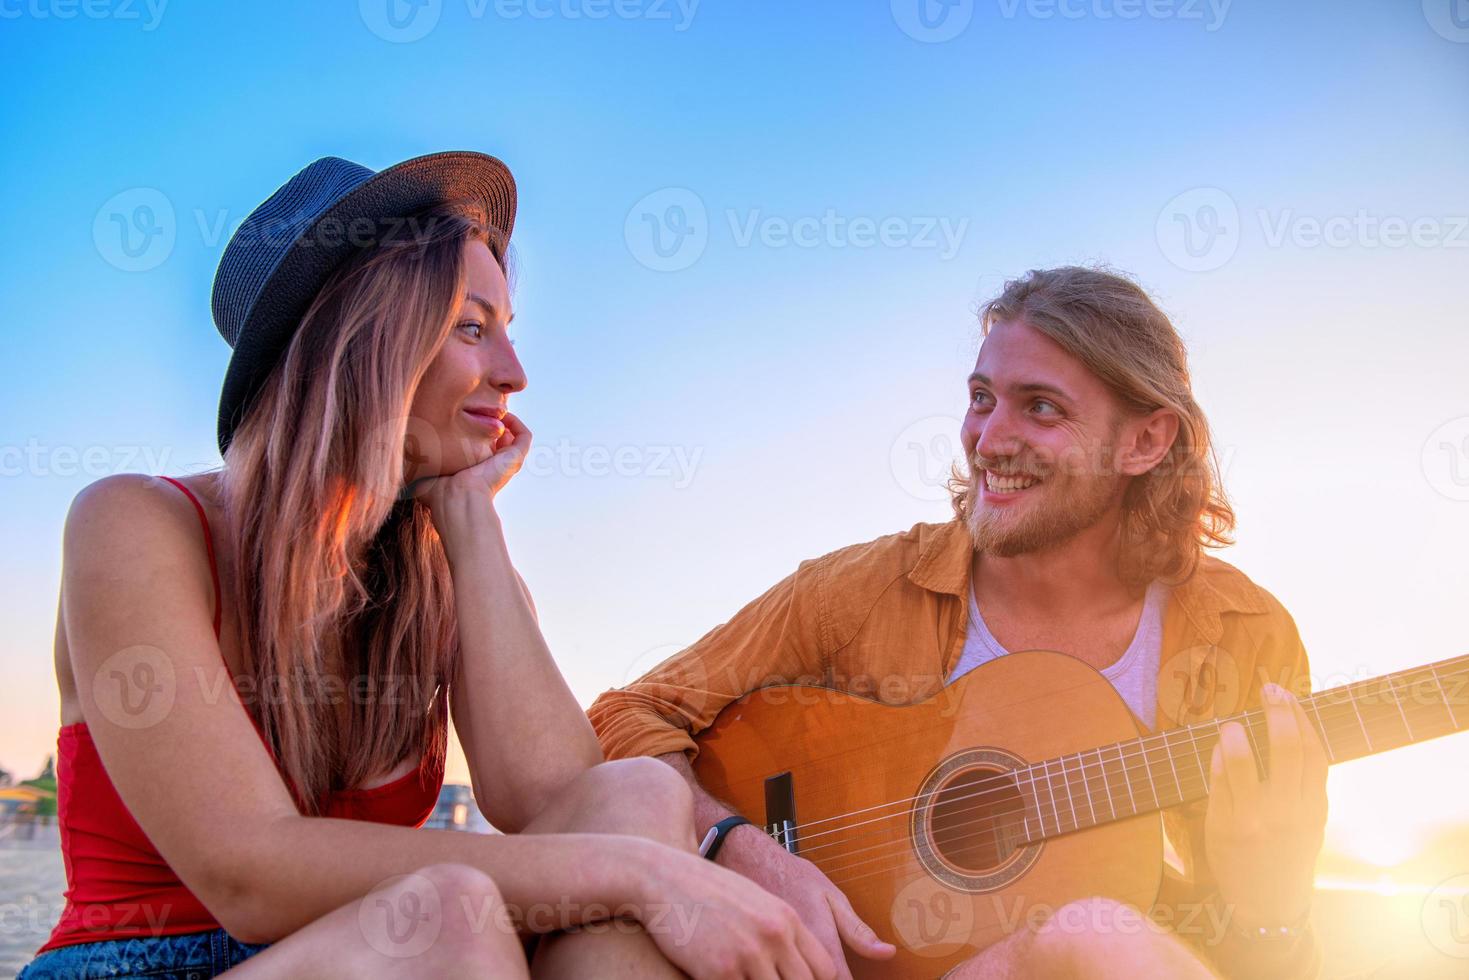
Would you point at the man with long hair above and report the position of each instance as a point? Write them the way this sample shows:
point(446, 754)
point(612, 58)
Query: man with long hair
point(1080, 526)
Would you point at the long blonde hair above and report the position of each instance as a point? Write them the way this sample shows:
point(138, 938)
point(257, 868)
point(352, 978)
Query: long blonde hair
point(343, 590)
point(1174, 511)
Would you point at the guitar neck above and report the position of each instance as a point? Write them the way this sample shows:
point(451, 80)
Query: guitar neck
point(1158, 771)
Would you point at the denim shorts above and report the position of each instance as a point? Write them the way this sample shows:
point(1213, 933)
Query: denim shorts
point(191, 956)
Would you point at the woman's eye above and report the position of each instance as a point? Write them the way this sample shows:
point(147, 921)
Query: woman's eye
point(479, 328)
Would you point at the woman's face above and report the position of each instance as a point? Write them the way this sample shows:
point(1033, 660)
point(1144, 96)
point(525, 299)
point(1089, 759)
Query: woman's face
point(455, 419)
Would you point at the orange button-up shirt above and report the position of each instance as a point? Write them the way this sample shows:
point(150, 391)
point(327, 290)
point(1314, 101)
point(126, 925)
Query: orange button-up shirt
point(887, 620)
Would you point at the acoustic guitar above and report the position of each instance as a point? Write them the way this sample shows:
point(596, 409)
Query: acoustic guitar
point(1023, 786)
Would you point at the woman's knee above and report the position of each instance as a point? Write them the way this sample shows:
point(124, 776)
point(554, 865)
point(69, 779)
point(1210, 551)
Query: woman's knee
point(448, 914)
point(439, 920)
point(641, 796)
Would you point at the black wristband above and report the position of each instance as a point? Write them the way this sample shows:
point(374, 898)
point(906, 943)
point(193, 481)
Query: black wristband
point(714, 839)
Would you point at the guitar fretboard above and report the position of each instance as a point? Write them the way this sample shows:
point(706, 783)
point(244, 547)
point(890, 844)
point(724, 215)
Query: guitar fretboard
point(1154, 772)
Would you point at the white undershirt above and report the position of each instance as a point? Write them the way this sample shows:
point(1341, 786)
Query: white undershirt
point(1134, 675)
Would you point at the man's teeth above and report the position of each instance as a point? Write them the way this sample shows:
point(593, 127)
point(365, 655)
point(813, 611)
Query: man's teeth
point(1007, 484)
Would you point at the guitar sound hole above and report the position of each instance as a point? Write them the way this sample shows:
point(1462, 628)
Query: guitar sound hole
point(975, 820)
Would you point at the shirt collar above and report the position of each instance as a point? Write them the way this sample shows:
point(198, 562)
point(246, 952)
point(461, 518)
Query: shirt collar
point(1215, 588)
point(945, 559)
point(945, 562)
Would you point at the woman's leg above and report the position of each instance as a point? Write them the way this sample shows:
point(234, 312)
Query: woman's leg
point(442, 920)
point(642, 797)
point(615, 954)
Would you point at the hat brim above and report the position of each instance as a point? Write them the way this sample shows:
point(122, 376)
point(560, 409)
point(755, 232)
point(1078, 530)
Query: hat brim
point(395, 193)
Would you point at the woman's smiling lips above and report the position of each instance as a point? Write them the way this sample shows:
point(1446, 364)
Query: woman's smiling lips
point(487, 417)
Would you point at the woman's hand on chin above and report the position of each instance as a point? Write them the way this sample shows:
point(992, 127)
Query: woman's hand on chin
point(472, 490)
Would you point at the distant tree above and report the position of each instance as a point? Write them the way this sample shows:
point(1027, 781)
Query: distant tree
point(46, 781)
point(6, 778)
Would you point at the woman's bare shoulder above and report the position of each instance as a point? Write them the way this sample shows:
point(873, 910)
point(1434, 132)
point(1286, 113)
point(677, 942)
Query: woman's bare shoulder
point(123, 533)
point(132, 520)
point(140, 494)
point(131, 511)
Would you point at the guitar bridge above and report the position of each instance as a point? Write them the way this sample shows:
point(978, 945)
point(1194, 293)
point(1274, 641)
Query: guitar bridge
point(780, 811)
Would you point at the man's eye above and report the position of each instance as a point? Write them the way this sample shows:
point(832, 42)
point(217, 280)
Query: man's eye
point(1044, 407)
point(478, 327)
point(978, 398)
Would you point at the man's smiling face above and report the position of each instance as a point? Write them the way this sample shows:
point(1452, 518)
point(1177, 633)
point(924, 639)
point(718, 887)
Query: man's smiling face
point(1040, 436)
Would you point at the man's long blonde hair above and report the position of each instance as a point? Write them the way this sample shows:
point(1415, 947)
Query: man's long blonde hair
point(334, 577)
point(1107, 322)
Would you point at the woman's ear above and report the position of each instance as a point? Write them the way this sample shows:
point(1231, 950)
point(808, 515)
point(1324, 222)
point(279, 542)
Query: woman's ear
point(1147, 440)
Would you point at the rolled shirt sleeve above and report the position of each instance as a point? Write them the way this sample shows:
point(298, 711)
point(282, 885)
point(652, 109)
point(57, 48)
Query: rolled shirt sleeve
point(776, 639)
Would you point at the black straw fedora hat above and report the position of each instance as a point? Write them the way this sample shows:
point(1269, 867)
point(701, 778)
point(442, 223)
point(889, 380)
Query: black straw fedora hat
point(284, 252)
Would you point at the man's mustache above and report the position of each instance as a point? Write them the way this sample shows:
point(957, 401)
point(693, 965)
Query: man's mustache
point(1008, 466)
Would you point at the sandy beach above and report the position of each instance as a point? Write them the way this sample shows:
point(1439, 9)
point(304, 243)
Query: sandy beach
point(31, 882)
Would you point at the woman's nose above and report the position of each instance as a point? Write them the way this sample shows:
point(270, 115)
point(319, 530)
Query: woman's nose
point(506, 373)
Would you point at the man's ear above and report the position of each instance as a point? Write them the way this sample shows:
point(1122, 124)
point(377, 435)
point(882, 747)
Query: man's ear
point(1146, 440)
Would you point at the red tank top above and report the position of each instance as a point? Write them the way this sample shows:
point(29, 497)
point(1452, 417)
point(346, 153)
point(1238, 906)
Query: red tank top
point(118, 886)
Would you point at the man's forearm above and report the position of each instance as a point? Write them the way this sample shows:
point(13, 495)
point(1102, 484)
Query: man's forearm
point(708, 810)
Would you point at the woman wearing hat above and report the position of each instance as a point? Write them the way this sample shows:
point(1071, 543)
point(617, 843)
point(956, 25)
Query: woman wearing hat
point(257, 664)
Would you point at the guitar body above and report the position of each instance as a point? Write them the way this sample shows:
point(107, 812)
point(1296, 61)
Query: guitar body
point(887, 800)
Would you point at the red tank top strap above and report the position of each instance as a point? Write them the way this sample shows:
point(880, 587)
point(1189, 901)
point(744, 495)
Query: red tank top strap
point(208, 547)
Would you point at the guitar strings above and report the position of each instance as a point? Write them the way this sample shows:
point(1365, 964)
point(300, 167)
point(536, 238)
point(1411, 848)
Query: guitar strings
point(1122, 757)
point(959, 832)
point(956, 832)
point(1078, 819)
point(1248, 718)
point(1039, 772)
point(840, 876)
point(1313, 703)
point(1028, 773)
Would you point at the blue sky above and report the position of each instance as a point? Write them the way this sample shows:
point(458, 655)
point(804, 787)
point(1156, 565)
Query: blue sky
point(780, 372)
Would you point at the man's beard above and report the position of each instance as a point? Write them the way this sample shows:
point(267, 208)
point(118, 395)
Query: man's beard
point(1069, 506)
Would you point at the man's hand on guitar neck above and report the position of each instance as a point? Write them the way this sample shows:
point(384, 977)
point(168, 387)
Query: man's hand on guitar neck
point(820, 904)
point(1263, 836)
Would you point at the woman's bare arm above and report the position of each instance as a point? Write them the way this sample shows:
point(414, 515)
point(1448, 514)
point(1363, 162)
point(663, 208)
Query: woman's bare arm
point(524, 735)
point(192, 770)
